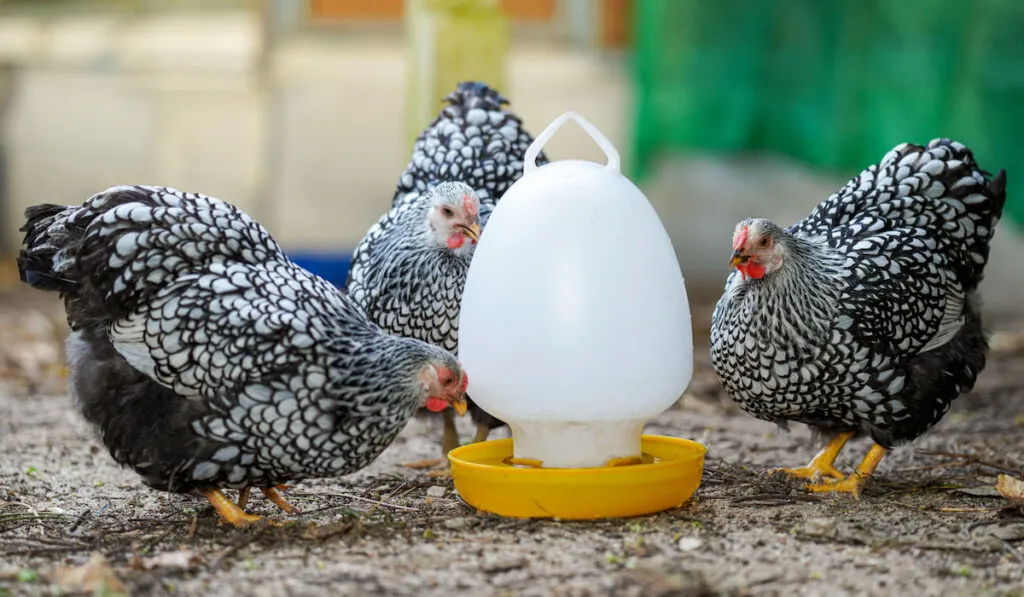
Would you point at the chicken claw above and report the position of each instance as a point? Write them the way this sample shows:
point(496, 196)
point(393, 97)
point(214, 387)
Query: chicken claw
point(278, 500)
point(811, 472)
point(851, 484)
point(228, 510)
point(272, 495)
point(855, 482)
point(823, 463)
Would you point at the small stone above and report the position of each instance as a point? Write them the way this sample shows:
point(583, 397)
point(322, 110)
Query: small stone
point(820, 527)
point(436, 491)
point(457, 524)
point(1009, 533)
point(689, 544)
point(502, 564)
point(1008, 571)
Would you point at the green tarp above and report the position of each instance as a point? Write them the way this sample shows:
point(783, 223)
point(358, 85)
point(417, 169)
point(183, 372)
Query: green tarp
point(833, 83)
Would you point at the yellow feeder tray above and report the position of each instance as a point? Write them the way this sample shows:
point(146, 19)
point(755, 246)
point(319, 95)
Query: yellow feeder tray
point(670, 472)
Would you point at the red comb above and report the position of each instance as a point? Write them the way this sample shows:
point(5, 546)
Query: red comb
point(468, 204)
point(741, 239)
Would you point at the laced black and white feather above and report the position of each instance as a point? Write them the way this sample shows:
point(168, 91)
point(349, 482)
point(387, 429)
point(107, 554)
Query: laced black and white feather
point(475, 140)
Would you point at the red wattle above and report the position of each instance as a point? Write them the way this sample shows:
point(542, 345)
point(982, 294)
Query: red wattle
point(436, 405)
point(455, 241)
point(755, 270)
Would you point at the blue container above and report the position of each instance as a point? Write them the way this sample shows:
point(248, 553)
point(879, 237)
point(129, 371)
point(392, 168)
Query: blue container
point(332, 266)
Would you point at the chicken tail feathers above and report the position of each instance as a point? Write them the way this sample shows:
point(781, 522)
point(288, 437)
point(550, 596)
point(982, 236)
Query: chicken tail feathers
point(953, 197)
point(978, 200)
point(44, 257)
point(997, 189)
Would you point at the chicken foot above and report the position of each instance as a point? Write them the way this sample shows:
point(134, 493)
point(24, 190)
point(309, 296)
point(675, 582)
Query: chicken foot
point(228, 510)
point(272, 494)
point(853, 483)
point(823, 463)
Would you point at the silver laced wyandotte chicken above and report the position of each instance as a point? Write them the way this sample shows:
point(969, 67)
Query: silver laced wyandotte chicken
point(864, 317)
point(207, 359)
point(409, 271)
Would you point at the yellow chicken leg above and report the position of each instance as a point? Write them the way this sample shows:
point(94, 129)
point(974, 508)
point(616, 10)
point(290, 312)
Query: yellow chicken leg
point(273, 496)
point(450, 439)
point(229, 510)
point(855, 482)
point(449, 442)
point(278, 500)
point(483, 430)
point(243, 497)
point(823, 462)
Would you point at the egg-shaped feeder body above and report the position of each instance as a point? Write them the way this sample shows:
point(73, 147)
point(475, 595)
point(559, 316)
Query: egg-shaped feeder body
point(575, 324)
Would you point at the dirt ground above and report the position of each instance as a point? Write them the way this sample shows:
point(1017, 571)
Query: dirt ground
point(930, 522)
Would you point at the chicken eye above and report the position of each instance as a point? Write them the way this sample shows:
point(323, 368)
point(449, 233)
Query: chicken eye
point(447, 211)
point(763, 243)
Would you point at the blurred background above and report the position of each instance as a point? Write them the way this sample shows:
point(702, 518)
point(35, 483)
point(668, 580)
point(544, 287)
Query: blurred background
point(303, 112)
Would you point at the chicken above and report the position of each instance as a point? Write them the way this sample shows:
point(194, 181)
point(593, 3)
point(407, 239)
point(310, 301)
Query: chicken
point(207, 360)
point(864, 317)
point(409, 271)
point(476, 141)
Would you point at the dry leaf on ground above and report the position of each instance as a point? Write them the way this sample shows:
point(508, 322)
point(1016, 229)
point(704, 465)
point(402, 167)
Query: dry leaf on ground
point(95, 577)
point(1011, 489)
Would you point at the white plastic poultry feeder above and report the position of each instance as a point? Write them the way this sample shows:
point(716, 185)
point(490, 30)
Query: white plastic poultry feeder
point(575, 324)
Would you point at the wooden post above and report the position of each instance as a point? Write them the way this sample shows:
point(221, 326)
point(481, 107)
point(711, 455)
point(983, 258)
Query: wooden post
point(451, 41)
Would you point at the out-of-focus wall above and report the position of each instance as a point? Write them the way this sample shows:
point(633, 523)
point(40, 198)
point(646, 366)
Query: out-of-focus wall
point(313, 150)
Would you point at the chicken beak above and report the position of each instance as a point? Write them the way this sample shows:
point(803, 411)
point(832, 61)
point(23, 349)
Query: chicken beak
point(460, 405)
point(472, 231)
point(738, 258)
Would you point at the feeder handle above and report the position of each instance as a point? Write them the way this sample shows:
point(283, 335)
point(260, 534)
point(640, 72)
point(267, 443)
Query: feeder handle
point(530, 160)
